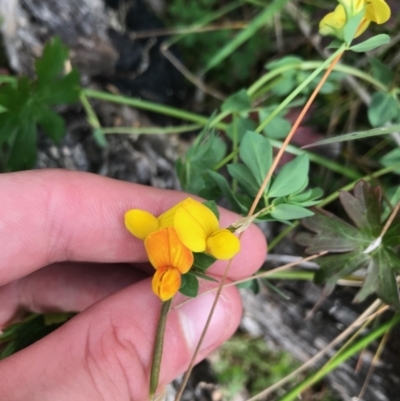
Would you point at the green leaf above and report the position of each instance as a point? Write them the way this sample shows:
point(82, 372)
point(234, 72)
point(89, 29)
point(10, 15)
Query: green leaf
point(8, 127)
point(52, 63)
point(355, 135)
point(22, 334)
point(334, 267)
point(390, 159)
point(292, 177)
point(63, 91)
point(256, 153)
point(309, 195)
point(52, 124)
point(200, 274)
point(189, 285)
point(242, 126)
point(203, 261)
point(23, 150)
point(250, 285)
point(364, 208)
point(207, 150)
point(277, 128)
point(286, 211)
point(226, 190)
point(383, 108)
point(392, 239)
point(259, 21)
point(381, 71)
point(369, 284)
point(213, 207)
point(26, 104)
point(282, 62)
point(237, 102)
point(351, 27)
point(386, 286)
point(371, 43)
point(334, 235)
point(55, 318)
point(242, 174)
point(335, 44)
point(331, 234)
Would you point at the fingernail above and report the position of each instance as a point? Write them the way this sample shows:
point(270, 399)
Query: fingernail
point(194, 316)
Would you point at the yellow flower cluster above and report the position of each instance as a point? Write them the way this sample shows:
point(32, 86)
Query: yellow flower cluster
point(171, 238)
point(333, 23)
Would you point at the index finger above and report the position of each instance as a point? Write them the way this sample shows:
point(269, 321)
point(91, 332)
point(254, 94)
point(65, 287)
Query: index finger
point(49, 216)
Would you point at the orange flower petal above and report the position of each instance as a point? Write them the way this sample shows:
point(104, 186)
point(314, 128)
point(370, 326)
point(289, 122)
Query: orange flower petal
point(140, 223)
point(164, 249)
point(223, 244)
point(166, 283)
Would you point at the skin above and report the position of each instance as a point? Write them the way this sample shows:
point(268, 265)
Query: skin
point(64, 247)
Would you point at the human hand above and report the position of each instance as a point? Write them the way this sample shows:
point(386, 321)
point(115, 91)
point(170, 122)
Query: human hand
point(64, 247)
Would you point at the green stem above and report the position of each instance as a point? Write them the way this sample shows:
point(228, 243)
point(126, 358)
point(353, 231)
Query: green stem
point(311, 65)
point(207, 19)
point(158, 348)
point(152, 130)
point(282, 235)
point(93, 120)
point(325, 64)
point(350, 186)
point(235, 140)
point(150, 106)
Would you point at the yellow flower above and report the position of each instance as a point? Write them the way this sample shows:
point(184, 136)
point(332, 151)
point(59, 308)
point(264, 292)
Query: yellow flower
point(196, 225)
point(198, 228)
point(171, 258)
point(141, 223)
point(333, 23)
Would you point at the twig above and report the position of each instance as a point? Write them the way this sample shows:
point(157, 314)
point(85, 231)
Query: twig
point(188, 74)
point(366, 315)
point(373, 365)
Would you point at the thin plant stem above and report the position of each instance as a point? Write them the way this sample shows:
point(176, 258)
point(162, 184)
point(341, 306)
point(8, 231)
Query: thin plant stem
point(341, 357)
point(268, 273)
point(292, 132)
point(152, 130)
point(203, 334)
point(359, 321)
point(158, 348)
point(331, 61)
point(390, 220)
point(374, 364)
point(150, 106)
point(151, 33)
point(93, 120)
point(311, 65)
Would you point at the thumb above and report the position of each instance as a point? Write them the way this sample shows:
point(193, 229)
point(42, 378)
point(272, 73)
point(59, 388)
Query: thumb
point(105, 352)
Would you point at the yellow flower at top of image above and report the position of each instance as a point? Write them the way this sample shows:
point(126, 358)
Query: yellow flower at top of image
point(170, 258)
point(333, 23)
